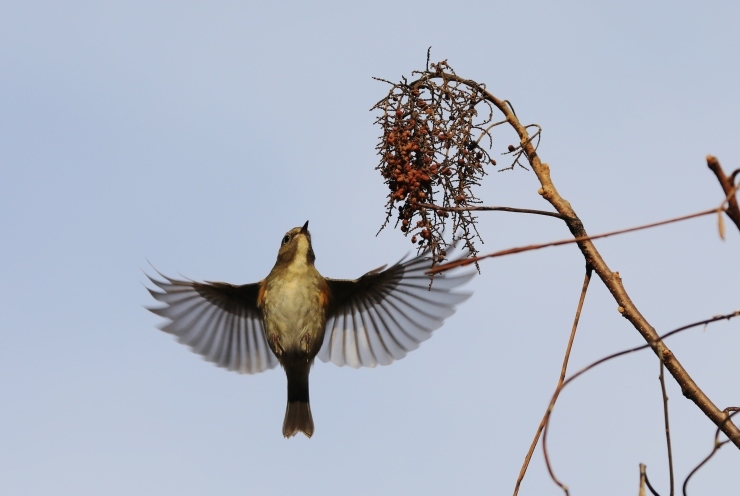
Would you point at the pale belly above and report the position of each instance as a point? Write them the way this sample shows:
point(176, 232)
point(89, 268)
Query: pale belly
point(294, 319)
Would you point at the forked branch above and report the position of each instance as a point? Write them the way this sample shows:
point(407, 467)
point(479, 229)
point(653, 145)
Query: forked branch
point(613, 282)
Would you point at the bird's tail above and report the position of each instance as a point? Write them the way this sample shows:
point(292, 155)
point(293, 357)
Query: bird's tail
point(298, 412)
point(298, 418)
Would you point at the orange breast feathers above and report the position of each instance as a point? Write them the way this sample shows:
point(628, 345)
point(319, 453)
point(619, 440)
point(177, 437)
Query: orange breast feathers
point(261, 294)
point(324, 295)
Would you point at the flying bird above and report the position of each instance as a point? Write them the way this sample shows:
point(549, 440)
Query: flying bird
point(296, 314)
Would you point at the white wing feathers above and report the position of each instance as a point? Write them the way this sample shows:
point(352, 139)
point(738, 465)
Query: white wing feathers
point(373, 320)
point(380, 317)
point(219, 321)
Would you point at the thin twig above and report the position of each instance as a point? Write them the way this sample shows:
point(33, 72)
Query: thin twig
point(606, 359)
point(547, 459)
point(488, 129)
point(520, 249)
point(715, 448)
point(667, 425)
point(716, 318)
point(432, 206)
point(650, 486)
point(563, 370)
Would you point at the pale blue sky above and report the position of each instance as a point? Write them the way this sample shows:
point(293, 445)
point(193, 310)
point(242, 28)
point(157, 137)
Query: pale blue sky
point(194, 135)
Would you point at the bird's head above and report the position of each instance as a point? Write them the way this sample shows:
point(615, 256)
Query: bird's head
point(295, 247)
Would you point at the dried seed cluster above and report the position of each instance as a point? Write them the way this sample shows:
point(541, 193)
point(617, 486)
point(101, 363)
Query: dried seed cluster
point(430, 158)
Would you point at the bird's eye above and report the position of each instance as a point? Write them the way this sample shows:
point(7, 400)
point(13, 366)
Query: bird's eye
point(286, 238)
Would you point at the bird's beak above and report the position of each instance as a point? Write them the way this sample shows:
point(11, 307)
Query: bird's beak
point(304, 229)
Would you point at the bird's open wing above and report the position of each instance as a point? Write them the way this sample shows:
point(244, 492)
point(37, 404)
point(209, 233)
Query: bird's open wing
point(384, 314)
point(219, 321)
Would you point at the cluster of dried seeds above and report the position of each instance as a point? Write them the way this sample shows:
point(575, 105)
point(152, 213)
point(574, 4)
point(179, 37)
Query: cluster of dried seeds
point(430, 158)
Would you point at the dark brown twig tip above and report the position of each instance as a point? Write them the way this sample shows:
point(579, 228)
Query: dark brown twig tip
point(728, 186)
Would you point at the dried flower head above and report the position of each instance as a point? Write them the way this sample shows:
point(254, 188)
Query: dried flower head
point(430, 157)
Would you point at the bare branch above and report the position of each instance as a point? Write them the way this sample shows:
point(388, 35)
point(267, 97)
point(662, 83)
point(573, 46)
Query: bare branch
point(485, 209)
point(585, 369)
point(710, 320)
point(562, 386)
point(547, 460)
point(716, 318)
point(715, 448)
point(520, 249)
point(563, 370)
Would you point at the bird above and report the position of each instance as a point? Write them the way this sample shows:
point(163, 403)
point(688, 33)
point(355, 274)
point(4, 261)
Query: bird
point(295, 314)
